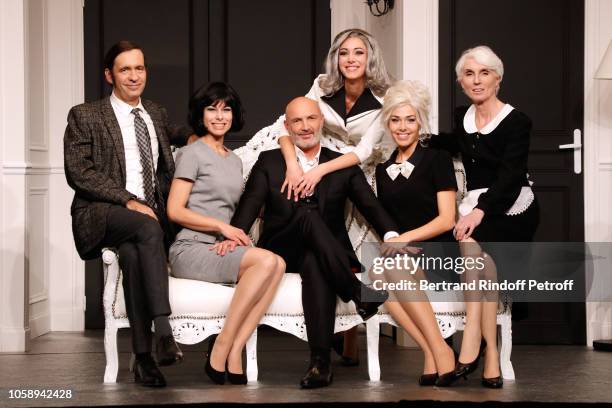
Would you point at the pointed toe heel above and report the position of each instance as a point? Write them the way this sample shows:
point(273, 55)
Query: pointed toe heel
point(495, 382)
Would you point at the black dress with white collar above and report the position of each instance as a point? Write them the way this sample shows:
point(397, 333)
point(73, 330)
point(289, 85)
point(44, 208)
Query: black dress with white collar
point(412, 201)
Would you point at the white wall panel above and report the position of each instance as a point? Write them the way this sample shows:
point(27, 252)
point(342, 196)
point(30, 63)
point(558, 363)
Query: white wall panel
point(597, 153)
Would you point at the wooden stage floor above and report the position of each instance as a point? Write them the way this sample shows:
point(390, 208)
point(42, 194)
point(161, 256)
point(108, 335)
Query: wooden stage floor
point(75, 361)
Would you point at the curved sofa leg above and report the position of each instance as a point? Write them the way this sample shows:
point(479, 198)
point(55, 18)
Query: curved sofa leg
point(506, 347)
point(373, 336)
point(112, 354)
point(251, 354)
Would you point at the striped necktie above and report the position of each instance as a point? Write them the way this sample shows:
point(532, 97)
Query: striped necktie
point(146, 157)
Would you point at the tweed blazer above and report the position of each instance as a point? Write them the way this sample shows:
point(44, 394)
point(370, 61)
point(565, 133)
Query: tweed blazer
point(94, 164)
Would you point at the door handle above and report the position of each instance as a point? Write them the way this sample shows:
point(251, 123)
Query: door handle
point(577, 147)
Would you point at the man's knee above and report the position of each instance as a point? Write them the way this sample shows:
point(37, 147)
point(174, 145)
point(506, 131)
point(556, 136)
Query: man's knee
point(149, 230)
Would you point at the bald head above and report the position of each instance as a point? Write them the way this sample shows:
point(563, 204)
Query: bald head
point(303, 120)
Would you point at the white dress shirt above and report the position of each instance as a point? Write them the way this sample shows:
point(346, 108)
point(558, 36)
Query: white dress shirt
point(309, 164)
point(133, 168)
point(305, 163)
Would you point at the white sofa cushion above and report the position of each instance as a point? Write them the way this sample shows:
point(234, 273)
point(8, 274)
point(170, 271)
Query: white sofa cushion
point(192, 297)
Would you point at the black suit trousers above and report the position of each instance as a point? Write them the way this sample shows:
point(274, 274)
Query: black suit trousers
point(310, 248)
point(142, 258)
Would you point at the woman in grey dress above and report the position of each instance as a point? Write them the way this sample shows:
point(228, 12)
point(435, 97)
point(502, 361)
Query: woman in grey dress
point(204, 194)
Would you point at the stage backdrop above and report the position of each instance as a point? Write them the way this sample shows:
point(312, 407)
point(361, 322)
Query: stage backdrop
point(542, 46)
point(269, 50)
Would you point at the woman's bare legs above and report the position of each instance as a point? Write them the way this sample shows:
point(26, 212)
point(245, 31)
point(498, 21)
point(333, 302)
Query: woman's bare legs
point(472, 333)
point(253, 318)
point(413, 311)
point(403, 319)
point(259, 270)
point(489, 322)
point(481, 313)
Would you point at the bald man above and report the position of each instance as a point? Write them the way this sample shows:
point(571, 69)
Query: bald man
point(310, 234)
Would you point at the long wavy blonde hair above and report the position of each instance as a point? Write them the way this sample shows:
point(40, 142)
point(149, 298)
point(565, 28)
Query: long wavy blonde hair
point(377, 76)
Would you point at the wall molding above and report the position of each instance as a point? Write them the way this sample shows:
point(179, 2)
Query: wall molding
point(41, 256)
point(38, 93)
point(27, 168)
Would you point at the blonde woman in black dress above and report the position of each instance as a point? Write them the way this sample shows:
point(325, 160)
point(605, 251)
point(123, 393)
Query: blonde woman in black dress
point(493, 140)
point(417, 187)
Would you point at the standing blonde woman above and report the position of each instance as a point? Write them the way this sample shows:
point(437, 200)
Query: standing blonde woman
point(493, 140)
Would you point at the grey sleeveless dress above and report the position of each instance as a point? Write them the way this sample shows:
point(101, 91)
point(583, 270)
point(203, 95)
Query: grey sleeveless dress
point(217, 185)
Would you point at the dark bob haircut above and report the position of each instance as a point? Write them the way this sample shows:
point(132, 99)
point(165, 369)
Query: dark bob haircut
point(212, 94)
point(118, 48)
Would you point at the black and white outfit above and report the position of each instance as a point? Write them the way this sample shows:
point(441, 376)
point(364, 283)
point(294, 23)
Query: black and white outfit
point(359, 131)
point(311, 235)
point(495, 163)
point(408, 190)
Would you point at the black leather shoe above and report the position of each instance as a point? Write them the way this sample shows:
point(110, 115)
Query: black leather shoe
point(447, 379)
point(464, 369)
point(428, 380)
point(495, 382)
point(237, 379)
point(167, 352)
point(367, 300)
point(318, 375)
point(217, 377)
point(147, 374)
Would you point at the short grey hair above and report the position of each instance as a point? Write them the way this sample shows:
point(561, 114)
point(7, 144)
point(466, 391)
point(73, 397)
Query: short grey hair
point(377, 76)
point(482, 55)
point(414, 94)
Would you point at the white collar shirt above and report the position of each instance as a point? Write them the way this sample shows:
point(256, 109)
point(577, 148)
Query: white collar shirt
point(133, 168)
point(305, 163)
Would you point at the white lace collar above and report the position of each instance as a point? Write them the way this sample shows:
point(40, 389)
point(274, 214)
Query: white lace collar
point(469, 120)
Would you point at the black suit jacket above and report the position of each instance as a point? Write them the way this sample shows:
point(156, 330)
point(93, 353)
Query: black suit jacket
point(263, 188)
point(94, 163)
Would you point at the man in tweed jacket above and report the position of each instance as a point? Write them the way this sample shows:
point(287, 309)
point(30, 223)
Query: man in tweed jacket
point(105, 165)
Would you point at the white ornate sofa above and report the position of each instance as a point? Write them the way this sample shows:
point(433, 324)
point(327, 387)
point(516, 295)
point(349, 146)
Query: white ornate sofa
point(199, 307)
point(199, 312)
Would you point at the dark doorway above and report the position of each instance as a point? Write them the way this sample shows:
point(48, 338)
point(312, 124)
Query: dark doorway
point(542, 46)
point(269, 50)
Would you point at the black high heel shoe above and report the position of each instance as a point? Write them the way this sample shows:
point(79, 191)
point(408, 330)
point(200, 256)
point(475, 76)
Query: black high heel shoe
point(217, 377)
point(447, 379)
point(237, 379)
point(464, 369)
point(495, 382)
point(428, 380)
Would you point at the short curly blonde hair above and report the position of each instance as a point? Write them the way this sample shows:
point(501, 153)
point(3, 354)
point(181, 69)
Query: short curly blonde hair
point(414, 94)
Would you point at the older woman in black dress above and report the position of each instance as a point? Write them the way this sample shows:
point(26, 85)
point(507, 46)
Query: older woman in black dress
point(493, 140)
point(417, 186)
